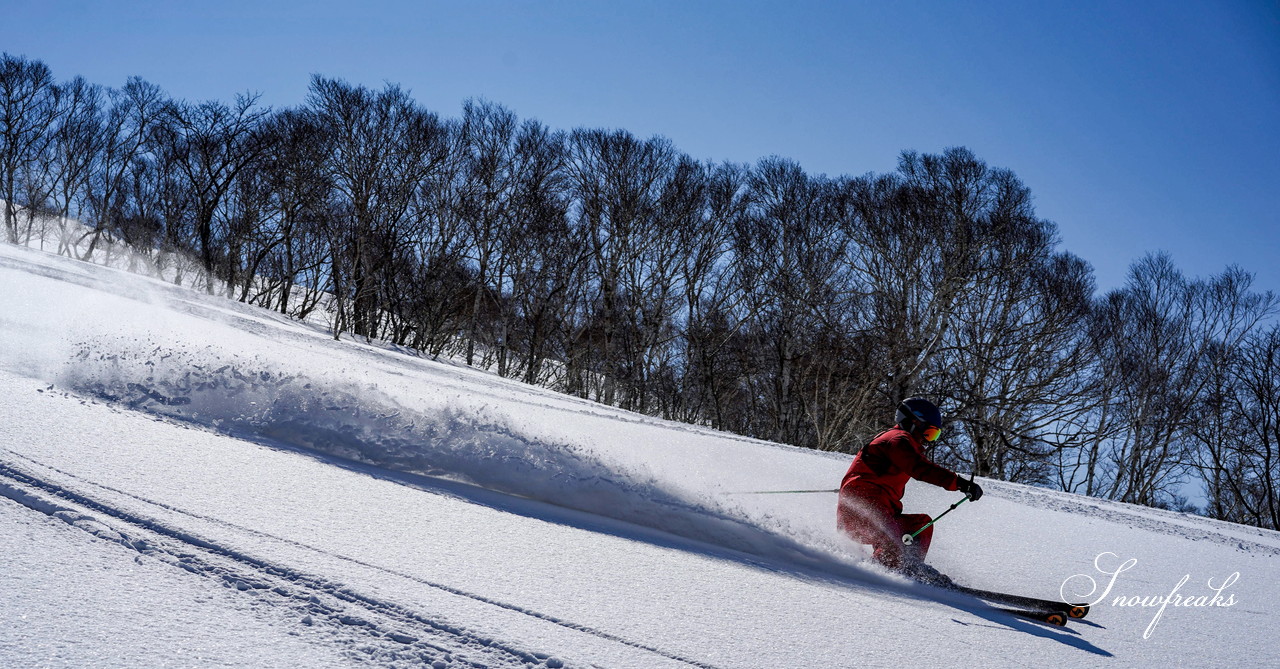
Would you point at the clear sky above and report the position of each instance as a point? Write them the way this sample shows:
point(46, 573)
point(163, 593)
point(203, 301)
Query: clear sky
point(1138, 126)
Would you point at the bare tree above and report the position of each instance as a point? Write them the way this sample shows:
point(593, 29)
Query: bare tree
point(28, 110)
point(215, 143)
point(711, 300)
point(1013, 357)
point(1242, 462)
point(299, 190)
point(791, 257)
point(1235, 420)
point(77, 146)
point(133, 116)
point(1159, 338)
point(617, 184)
point(546, 254)
point(384, 148)
point(487, 195)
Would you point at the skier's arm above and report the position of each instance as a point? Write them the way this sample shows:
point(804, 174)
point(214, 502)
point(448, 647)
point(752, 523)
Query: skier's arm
point(936, 474)
point(908, 457)
point(923, 469)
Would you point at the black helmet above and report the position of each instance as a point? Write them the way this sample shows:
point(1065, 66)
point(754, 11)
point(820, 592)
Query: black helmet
point(918, 409)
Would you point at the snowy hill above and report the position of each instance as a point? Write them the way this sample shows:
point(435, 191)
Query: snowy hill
point(186, 481)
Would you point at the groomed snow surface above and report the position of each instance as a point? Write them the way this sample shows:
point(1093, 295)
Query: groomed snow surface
point(186, 481)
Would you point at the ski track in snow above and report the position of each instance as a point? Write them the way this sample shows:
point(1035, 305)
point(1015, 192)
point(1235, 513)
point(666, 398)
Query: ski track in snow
point(392, 635)
point(383, 624)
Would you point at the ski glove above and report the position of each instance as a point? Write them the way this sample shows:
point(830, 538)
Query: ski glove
point(973, 490)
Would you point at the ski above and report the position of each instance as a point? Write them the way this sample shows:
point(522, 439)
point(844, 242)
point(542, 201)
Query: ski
point(1035, 603)
point(1055, 618)
point(926, 574)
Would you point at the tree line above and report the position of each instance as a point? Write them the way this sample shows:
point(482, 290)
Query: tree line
point(758, 299)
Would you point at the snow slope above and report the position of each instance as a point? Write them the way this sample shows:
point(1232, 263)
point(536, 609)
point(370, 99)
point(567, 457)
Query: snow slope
point(187, 481)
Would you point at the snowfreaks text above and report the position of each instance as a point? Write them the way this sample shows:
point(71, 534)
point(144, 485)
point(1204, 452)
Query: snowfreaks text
point(1174, 598)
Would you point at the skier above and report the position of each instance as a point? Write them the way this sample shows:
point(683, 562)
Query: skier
point(870, 507)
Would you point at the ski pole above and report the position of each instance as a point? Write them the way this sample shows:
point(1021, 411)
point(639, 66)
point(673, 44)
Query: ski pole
point(909, 539)
point(779, 492)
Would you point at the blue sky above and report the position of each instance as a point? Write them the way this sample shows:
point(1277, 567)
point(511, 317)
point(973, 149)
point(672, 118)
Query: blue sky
point(1138, 126)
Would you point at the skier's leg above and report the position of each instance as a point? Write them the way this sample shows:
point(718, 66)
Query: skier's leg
point(889, 553)
point(911, 522)
point(913, 563)
point(868, 521)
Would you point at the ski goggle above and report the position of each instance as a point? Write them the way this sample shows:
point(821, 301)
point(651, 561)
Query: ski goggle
point(931, 433)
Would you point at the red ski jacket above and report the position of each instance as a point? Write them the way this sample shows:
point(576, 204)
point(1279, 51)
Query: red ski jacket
point(880, 471)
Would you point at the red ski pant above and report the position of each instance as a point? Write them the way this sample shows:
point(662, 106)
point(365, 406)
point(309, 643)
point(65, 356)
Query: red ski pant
point(869, 519)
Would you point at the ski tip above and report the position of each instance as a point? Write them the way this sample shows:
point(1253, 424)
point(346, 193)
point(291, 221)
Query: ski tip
point(1056, 619)
point(1078, 611)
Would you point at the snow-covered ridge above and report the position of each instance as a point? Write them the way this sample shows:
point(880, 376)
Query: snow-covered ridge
point(342, 504)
